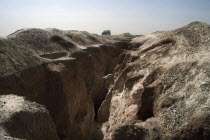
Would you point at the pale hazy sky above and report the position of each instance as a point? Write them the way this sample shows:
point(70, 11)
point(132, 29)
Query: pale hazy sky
point(134, 16)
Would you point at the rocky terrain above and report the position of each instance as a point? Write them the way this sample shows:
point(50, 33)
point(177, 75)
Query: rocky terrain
point(72, 85)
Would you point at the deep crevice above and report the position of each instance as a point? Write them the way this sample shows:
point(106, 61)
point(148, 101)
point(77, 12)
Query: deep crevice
point(97, 104)
point(146, 107)
point(53, 82)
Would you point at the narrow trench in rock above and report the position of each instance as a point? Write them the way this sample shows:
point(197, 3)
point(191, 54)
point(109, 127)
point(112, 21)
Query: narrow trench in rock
point(98, 102)
point(102, 93)
point(67, 92)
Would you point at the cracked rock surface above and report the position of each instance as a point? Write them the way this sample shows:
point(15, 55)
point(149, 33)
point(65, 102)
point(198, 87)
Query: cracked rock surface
point(161, 88)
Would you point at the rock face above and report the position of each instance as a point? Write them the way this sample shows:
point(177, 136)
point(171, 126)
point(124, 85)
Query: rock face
point(22, 119)
point(155, 87)
point(59, 73)
point(161, 88)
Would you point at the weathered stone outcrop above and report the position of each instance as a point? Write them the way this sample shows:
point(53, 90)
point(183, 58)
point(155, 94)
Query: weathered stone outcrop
point(161, 88)
point(59, 86)
point(22, 119)
point(156, 87)
point(69, 81)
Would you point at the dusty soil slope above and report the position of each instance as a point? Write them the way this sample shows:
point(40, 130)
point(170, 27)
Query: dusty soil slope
point(161, 88)
point(28, 47)
point(155, 87)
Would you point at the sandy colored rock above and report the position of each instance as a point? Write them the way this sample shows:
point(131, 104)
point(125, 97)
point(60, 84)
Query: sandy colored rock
point(165, 90)
point(52, 71)
point(156, 87)
point(22, 119)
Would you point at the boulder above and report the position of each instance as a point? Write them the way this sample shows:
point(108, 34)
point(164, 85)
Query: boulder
point(22, 119)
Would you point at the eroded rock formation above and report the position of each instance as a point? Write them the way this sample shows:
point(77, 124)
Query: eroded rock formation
point(161, 88)
point(155, 87)
point(63, 75)
point(22, 119)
